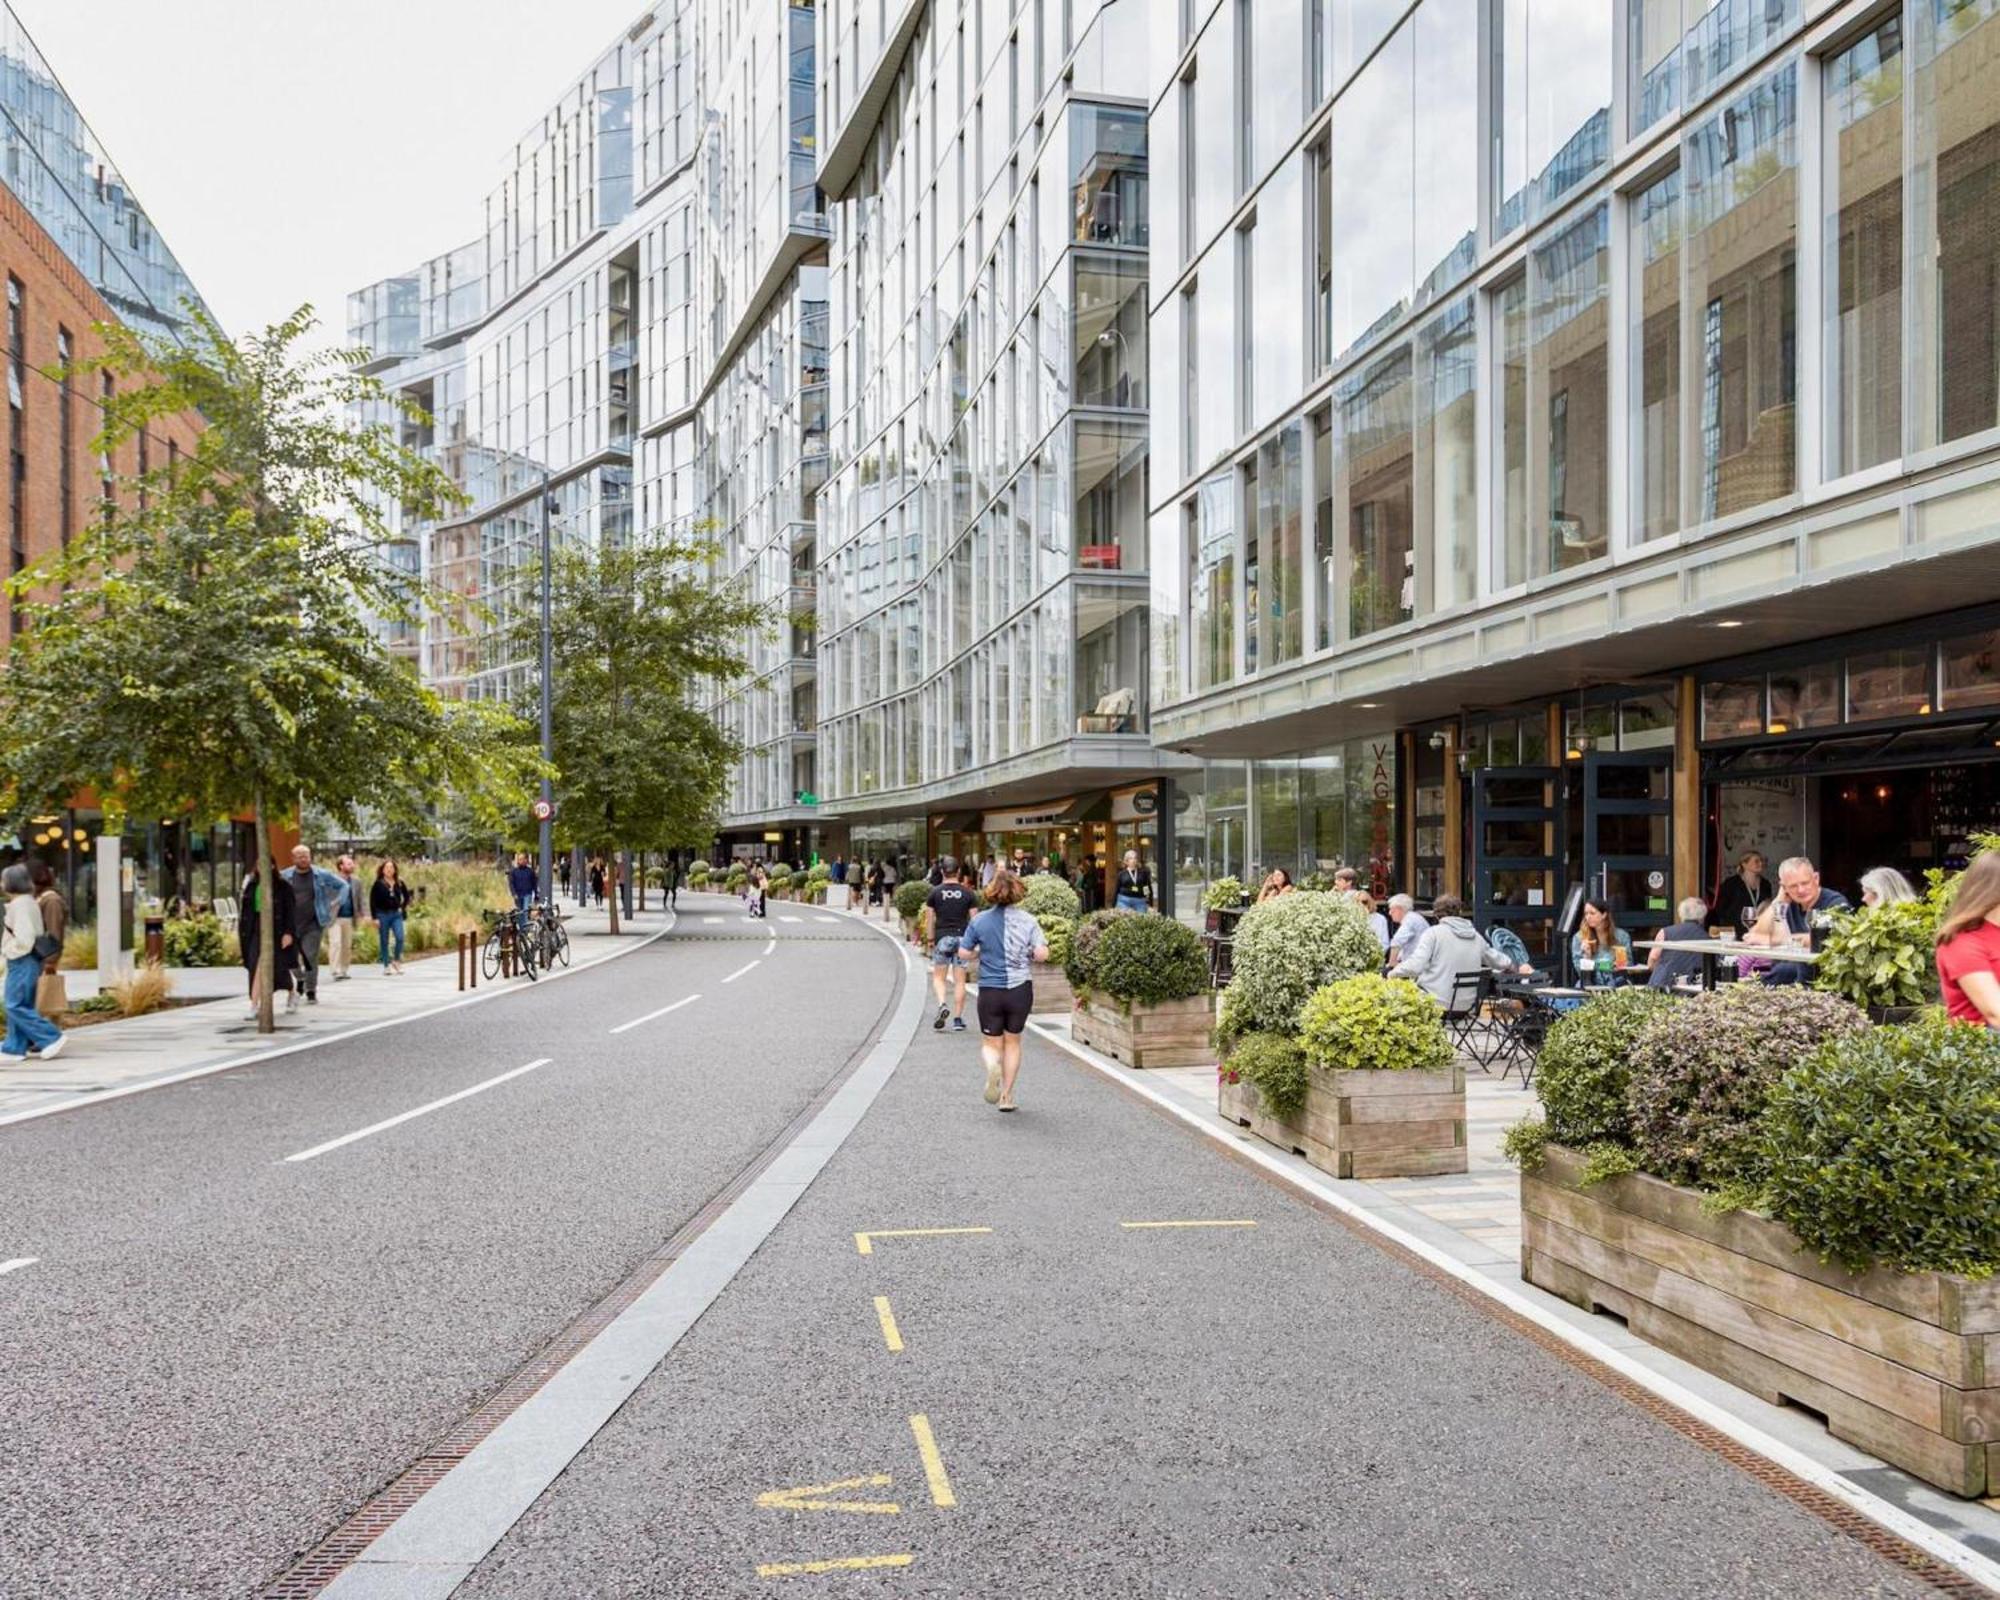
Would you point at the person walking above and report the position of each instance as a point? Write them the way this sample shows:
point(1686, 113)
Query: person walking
point(315, 894)
point(673, 881)
point(26, 946)
point(872, 880)
point(837, 873)
point(596, 880)
point(563, 872)
point(250, 933)
point(1135, 885)
point(51, 993)
point(1007, 940)
point(346, 912)
point(522, 881)
point(1090, 885)
point(389, 904)
point(947, 912)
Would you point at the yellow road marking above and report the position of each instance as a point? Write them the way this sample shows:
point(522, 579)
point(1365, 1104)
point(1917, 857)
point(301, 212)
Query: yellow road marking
point(789, 1569)
point(1189, 1224)
point(941, 1494)
point(865, 1242)
point(812, 1497)
point(891, 1335)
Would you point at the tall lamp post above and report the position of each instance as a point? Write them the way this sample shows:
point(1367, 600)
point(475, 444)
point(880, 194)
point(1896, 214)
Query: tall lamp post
point(546, 863)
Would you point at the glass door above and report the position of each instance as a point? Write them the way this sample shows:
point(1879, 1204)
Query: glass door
point(1628, 836)
point(1514, 861)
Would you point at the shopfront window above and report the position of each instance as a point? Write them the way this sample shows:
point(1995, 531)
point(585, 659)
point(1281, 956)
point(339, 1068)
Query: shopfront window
point(1863, 182)
point(1889, 683)
point(1732, 710)
point(1971, 671)
point(1805, 697)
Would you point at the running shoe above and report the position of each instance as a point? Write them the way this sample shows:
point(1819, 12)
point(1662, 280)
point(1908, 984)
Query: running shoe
point(958, 1024)
point(993, 1083)
point(943, 1012)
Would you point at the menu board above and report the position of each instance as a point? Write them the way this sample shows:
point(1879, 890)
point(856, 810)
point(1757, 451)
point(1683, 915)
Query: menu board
point(1767, 815)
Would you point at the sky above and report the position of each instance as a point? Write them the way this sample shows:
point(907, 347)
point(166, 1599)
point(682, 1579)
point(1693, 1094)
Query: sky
point(294, 150)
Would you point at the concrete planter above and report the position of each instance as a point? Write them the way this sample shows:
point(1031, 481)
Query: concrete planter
point(1365, 1124)
point(1174, 1033)
point(1904, 1364)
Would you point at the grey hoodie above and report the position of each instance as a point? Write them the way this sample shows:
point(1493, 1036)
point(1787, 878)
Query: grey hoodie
point(1452, 946)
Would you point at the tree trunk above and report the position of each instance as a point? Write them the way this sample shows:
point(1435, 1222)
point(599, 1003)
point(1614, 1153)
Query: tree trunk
point(614, 873)
point(640, 886)
point(267, 927)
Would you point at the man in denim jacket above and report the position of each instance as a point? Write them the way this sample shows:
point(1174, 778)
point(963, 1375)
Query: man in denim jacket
point(315, 914)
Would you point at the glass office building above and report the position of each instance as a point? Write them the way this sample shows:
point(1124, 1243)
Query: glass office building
point(1578, 458)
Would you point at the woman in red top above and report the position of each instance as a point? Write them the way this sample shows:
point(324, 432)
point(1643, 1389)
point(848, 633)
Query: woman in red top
point(1968, 939)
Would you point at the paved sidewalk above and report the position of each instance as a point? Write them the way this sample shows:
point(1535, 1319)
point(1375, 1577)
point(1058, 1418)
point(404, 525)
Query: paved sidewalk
point(108, 1058)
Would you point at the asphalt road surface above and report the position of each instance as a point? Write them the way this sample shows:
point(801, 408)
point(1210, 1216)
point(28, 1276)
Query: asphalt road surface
point(221, 1353)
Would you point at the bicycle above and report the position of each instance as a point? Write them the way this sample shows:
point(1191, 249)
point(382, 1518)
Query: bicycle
point(509, 934)
point(552, 939)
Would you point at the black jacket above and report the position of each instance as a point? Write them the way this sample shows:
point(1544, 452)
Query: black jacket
point(384, 896)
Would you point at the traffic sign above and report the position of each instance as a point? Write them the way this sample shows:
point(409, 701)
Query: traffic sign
point(544, 810)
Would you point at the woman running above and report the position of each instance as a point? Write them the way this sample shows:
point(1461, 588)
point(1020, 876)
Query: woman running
point(1006, 939)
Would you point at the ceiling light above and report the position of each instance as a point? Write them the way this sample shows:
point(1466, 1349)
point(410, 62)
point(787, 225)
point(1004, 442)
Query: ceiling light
point(1728, 622)
point(1369, 705)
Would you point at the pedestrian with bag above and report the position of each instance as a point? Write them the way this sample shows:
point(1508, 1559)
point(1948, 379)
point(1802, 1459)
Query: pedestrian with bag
point(315, 895)
point(250, 933)
point(26, 947)
point(51, 992)
point(389, 904)
point(346, 912)
point(1007, 940)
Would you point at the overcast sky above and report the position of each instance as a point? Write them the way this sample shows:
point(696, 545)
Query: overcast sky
point(292, 150)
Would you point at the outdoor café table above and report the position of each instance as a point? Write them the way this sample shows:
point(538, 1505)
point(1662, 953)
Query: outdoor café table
point(1712, 951)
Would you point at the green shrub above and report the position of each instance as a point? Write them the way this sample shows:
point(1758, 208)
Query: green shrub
point(1369, 1023)
point(1275, 1067)
point(194, 942)
point(698, 875)
point(1222, 894)
point(779, 878)
point(1703, 1072)
point(1049, 899)
point(1585, 1068)
point(738, 877)
point(1147, 959)
point(1061, 935)
point(1081, 968)
point(1883, 955)
point(1285, 950)
point(820, 872)
point(1884, 1145)
point(911, 894)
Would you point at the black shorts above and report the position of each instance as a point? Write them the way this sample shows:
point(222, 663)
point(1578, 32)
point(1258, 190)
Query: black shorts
point(1005, 1010)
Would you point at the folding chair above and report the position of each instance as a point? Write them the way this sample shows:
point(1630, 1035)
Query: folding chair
point(1463, 1018)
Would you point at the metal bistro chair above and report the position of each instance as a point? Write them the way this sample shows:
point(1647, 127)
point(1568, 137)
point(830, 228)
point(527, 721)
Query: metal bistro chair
point(1464, 1018)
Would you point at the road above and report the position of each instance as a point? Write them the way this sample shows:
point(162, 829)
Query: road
point(1132, 1367)
point(220, 1353)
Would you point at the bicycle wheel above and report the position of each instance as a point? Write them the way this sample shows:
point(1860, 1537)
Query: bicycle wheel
point(489, 958)
point(527, 950)
point(560, 939)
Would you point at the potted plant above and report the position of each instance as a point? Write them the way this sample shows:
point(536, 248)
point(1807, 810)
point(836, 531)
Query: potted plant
point(779, 882)
point(698, 875)
point(1884, 958)
point(1799, 1203)
point(1369, 1088)
point(909, 900)
point(1056, 906)
point(1222, 902)
point(1286, 950)
point(1147, 1002)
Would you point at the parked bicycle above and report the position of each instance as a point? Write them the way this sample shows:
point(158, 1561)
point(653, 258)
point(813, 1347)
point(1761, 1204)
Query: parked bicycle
point(511, 939)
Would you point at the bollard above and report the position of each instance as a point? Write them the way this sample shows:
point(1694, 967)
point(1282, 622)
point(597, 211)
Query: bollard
point(472, 957)
point(460, 944)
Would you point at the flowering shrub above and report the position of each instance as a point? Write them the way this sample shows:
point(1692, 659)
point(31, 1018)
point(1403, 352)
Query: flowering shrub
point(1049, 899)
point(1285, 950)
point(1148, 959)
point(1884, 1145)
point(1275, 1066)
point(1703, 1071)
point(1370, 1023)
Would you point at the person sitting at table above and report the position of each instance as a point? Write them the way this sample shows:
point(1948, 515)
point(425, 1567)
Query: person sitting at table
point(1885, 886)
point(1668, 967)
point(1788, 919)
point(1377, 923)
point(1278, 883)
point(1968, 945)
point(1410, 924)
point(1742, 895)
point(1599, 936)
point(1451, 946)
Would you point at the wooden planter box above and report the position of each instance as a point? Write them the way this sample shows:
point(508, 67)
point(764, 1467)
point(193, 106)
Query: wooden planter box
point(1174, 1033)
point(1365, 1124)
point(1904, 1364)
point(1053, 995)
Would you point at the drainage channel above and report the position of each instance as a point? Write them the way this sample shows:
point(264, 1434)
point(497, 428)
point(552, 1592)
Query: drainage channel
point(325, 1561)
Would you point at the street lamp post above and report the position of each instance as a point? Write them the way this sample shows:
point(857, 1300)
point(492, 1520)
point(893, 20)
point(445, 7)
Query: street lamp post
point(546, 863)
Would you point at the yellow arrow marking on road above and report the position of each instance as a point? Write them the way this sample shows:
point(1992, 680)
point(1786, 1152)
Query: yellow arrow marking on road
point(791, 1569)
point(865, 1242)
point(811, 1497)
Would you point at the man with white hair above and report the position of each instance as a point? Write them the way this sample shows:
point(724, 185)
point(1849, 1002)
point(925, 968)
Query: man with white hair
point(1410, 926)
point(1789, 918)
point(1669, 967)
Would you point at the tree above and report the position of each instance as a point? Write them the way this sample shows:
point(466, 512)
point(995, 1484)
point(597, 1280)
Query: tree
point(205, 647)
point(634, 629)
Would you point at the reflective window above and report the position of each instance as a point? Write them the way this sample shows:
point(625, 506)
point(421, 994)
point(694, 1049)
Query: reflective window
point(1732, 710)
point(1375, 471)
point(1355, 28)
point(1511, 313)
point(1110, 331)
point(1174, 532)
point(1554, 90)
point(1447, 460)
point(1110, 496)
point(1278, 57)
point(1957, 95)
point(1971, 671)
point(1108, 175)
point(1373, 198)
point(1212, 587)
point(1805, 697)
point(1326, 558)
point(1656, 377)
point(1281, 581)
point(1863, 288)
point(1889, 683)
point(1447, 144)
point(1742, 230)
point(1683, 50)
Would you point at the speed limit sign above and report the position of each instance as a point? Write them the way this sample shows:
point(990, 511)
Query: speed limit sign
point(544, 810)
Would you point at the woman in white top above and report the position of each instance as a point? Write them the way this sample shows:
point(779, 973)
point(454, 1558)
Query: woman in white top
point(27, 1028)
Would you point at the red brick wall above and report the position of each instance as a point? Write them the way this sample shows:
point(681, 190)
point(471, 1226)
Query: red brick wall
point(55, 297)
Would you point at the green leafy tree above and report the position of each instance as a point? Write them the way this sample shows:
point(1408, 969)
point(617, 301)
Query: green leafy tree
point(634, 630)
point(204, 647)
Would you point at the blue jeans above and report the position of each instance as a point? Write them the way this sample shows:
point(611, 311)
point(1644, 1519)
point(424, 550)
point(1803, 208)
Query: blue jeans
point(26, 1027)
point(1132, 902)
point(389, 926)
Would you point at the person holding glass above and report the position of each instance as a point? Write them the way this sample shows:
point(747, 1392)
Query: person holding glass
point(1599, 950)
point(1743, 895)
